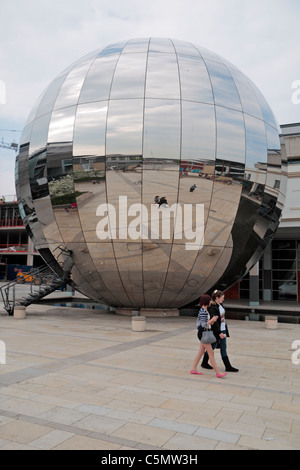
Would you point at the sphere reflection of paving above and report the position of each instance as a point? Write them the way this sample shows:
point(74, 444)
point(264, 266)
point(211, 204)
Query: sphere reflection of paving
point(138, 119)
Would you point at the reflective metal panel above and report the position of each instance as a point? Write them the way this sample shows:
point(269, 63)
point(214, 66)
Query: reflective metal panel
point(90, 186)
point(180, 266)
point(129, 263)
point(230, 135)
point(62, 193)
point(256, 145)
point(25, 137)
point(224, 202)
point(161, 45)
point(33, 111)
point(97, 83)
point(71, 87)
point(89, 129)
point(207, 54)
point(39, 133)
point(105, 263)
point(201, 270)
point(185, 48)
point(62, 125)
point(112, 49)
point(247, 94)
point(137, 45)
point(24, 200)
point(129, 77)
point(156, 258)
point(244, 247)
point(195, 189)
point(87, 288)
point(26, 206)
point(224, 88)
point(194, 80)
point(162, 124)
point(38, 174)
point(47, 103)
point(222, 260)
point(128, 180)
point(272, 138)
point(160, 219)
point(268, 116)
point(48, 221)
point(162, 76)
point(198, 131)
point(124, 131)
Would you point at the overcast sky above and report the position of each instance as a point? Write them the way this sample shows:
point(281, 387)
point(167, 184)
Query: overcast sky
point(40, 38)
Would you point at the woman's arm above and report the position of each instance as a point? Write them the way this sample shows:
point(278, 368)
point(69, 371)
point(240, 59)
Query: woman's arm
point(213, 320)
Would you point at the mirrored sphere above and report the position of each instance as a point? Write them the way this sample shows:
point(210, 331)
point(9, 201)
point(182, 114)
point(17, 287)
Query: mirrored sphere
point(128, 125)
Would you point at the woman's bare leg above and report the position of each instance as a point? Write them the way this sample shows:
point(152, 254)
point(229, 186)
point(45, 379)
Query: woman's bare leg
point(198, 357)
point(211, 355)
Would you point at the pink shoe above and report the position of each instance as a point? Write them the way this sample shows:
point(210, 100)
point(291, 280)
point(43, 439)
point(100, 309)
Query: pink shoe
point(221, 375)
point(195, 372)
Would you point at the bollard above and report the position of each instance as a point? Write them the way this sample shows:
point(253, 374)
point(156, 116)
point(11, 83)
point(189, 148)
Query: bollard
point(138, 323)
point(271, 322)
point(19, 312)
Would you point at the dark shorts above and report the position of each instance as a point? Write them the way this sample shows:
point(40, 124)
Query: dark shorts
point(199, 333)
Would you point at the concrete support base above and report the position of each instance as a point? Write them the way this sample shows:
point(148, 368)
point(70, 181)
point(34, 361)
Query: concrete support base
point(125, 311)
point(149, 312)
point(138, 323)
point(271, 322)
point(19, 312)
point(160, 312)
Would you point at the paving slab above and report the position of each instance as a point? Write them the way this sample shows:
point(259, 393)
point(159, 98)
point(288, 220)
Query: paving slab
point(77, 378)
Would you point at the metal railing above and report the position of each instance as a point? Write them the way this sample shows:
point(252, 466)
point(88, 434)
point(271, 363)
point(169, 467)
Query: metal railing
point(11, 223)
point(41, 281)
point(9, 248)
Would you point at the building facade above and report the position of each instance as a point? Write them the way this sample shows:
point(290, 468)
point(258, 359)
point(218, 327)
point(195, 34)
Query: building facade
point(277, 275)
point(17, 252)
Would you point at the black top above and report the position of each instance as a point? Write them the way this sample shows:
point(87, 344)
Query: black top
point(213, 310)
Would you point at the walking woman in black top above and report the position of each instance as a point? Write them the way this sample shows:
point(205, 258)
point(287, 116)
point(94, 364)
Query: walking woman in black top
point(220, 330)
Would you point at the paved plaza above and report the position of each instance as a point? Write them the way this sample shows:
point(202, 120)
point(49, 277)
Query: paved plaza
point(79, 378)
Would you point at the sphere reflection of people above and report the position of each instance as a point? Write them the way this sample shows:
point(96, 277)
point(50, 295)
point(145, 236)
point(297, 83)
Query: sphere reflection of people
point(163, 202)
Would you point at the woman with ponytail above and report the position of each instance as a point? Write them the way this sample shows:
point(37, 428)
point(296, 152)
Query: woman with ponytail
point(220, 330)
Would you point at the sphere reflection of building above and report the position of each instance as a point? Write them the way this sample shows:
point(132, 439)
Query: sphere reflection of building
point(141, 118)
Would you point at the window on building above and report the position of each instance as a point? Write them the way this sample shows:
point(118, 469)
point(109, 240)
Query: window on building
point(245, 285)
point(284, 270)
point(67, 165)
